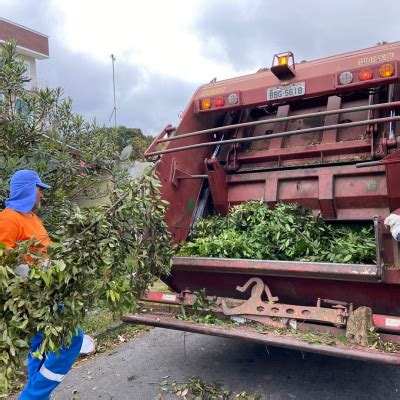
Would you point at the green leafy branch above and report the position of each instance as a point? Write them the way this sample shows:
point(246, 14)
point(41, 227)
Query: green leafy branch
point(104, 255)
point(286, 232)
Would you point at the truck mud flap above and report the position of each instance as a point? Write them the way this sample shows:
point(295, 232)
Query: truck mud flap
point(269, 338)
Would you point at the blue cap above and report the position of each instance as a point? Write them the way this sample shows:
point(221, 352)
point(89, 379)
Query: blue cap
point(23, 190)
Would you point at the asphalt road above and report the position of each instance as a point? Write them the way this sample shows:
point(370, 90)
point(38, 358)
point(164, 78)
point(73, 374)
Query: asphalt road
point(134, 370)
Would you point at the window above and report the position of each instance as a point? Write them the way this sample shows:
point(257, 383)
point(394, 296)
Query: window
point(28, 85)
point(21, 107)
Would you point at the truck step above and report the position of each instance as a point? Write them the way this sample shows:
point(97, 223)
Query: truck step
point(269, 338)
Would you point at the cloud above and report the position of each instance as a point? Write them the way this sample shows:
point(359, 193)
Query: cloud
point(145, 100)
point(36, 15)
point(158, 103)
point(163, 57)
point(246, 34)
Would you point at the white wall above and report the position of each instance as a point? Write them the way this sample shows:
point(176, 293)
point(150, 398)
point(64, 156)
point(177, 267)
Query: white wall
point(30, 64)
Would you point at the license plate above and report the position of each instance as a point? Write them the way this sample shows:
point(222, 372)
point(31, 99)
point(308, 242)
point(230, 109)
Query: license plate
point(281, 92)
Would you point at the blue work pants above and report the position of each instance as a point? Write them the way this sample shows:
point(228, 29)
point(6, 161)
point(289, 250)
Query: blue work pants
point(46, 374)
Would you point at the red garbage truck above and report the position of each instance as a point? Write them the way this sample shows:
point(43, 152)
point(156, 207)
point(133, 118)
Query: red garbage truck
point(324, 134)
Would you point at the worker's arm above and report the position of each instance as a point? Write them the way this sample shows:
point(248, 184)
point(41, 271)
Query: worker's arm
point(9, 235)
point(8, 232)
point(392, 222)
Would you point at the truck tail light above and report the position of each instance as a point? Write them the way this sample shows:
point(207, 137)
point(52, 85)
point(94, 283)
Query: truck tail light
point(365, 74)
point(233, 99)
point(205, 104)
point(346, 78)
point(219, 101)
point(386, 70)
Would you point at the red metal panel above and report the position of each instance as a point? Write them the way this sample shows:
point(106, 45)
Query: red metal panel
point(183, 199)
point(392, 177)
point(319, 75)
point(334, 103)
point(382, 298)
point(326, 197)
point(387, 323)
point(161, 297)
point(361, 191)
point(304, 152)
point(316, 147)
point(351, 272)
point(274, 144)
point(345, 191)
point(218, 185)
point(300, 190)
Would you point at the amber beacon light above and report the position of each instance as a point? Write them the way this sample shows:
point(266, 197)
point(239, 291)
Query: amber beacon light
point(283, 60)
point(283, 66)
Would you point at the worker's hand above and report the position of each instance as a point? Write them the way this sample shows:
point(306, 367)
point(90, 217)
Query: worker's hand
point(392, 222)
point(22, 270)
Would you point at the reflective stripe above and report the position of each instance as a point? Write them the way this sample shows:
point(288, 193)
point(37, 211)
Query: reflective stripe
point(51, 375)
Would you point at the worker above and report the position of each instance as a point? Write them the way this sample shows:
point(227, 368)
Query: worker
point(392, 222)
point(19, 222)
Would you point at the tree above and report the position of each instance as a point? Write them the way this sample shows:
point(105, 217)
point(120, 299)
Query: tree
point(132, 136)
point(102, 255)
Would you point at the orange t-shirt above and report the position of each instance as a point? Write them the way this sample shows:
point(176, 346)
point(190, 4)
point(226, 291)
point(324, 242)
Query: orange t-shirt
point(16, 226)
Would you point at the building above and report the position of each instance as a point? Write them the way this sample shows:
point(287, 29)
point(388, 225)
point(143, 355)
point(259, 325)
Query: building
point(31, 46)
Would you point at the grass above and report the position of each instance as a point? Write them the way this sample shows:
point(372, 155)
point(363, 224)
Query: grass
point(108, 330)
point(159, 286)
point(98, 320)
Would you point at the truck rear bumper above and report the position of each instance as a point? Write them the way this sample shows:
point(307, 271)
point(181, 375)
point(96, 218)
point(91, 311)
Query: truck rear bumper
point(269, 338)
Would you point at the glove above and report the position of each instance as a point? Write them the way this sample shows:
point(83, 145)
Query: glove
point(392, 222)
point(88, 345)
point(22, 270)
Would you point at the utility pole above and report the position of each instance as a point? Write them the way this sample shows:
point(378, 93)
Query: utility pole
point(113, 58)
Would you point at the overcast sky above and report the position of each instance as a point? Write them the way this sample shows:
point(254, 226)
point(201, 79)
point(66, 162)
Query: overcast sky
point(165, 49)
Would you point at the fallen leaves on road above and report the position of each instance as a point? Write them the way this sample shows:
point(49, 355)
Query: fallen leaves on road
point(197, 389)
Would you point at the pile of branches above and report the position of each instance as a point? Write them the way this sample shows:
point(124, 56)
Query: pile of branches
point(102, 256)
point(287, 232)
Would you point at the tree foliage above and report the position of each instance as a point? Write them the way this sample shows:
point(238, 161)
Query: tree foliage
point(132, 136)
point(287, 232)
point(40, 131)
point(103, 255)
